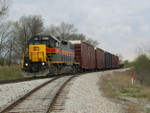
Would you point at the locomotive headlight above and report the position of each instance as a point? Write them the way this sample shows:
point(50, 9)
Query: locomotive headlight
point(43, 63)
point(26, 64)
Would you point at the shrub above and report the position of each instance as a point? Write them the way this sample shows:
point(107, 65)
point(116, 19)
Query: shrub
point(142, 68)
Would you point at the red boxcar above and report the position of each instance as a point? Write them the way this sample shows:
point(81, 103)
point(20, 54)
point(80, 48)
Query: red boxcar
point(85, 54)
point(100, 58)
point(115, 61)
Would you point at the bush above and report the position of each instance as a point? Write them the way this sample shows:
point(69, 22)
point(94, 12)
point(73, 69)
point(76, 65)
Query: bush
point(129, 64)
point(142, 68)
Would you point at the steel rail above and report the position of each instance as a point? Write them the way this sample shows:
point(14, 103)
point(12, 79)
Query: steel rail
point(51, 104)
point(9, 107)
point(21, 80)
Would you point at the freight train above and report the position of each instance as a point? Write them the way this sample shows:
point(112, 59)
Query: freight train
point(49, 55)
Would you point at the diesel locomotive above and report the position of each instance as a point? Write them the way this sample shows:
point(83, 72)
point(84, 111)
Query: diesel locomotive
point(49, 54)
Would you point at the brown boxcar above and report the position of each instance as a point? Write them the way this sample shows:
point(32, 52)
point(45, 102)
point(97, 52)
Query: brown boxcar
point(115, 61)
point(85, 54)
point(92, 57)
point(100, 58)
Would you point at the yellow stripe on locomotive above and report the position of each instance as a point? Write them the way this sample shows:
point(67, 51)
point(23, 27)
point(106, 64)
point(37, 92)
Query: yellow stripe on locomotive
point(37, 53)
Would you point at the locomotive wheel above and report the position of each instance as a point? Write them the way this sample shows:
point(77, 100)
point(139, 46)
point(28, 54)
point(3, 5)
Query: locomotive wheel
point(55, 70)
point(61, 70)
point(74, 69)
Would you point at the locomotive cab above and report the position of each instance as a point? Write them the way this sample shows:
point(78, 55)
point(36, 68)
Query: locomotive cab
point(49, 41)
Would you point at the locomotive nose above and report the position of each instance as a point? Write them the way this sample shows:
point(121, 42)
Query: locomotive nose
point(37, 53)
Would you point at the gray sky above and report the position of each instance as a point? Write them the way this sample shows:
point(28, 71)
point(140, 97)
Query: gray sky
point(120, 26)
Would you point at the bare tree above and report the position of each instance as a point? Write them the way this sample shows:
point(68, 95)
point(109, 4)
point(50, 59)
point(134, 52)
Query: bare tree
point(34, 23)
point(68, 32)
point(83, 38)
point(92, 42)
point(144, 49)
point(120, 58)
point(52, 30)
point(65, 30)
point(77, 37)
point(4, 7)
point(5, 33)
point(10, 48)
point(29, 26)
point(25, 28)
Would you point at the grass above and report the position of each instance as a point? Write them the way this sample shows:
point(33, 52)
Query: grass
point(134, 91)
point(9, 73)
point(118, 87)
point(107, 88)
point(123, 86)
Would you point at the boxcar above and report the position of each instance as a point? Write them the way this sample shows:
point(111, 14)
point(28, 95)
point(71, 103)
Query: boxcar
point(100, 59)
point(113, 61)
point(85, 54)
point(116, 62)
point(108, 60)
point(92, 57)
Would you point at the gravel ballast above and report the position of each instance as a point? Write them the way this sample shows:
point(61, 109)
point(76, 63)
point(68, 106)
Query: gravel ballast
point(86, 97)
point(10, 92)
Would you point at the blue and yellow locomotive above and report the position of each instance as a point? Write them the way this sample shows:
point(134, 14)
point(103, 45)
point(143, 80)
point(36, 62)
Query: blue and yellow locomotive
point(48, 54)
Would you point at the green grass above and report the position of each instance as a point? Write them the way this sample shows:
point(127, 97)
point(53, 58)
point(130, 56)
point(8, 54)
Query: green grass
point(134, 86)
point(133, 91)
point(9, 73)
point(126, 91)
point(138, 96)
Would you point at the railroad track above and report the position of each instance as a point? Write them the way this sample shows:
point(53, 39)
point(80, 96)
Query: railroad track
point(41, 99)
point(22, 80)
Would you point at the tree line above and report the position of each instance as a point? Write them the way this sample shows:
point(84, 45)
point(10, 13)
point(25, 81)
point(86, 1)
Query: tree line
point(14, 35)
point(141, 65)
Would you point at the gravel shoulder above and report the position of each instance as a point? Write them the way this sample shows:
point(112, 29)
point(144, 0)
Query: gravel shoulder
point(86, 97)
point(10, 92)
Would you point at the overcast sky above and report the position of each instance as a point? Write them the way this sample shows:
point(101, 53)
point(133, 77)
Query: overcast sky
point(120, 26)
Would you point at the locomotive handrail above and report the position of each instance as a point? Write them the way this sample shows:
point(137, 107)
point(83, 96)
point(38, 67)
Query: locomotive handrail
point(23, 56)
point(48, 60)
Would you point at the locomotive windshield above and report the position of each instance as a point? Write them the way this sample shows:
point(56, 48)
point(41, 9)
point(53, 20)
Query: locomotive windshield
point(48, 41)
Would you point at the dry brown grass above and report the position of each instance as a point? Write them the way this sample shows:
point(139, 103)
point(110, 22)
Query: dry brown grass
point(132, 108)
point(107, 88)
point(118, 87)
